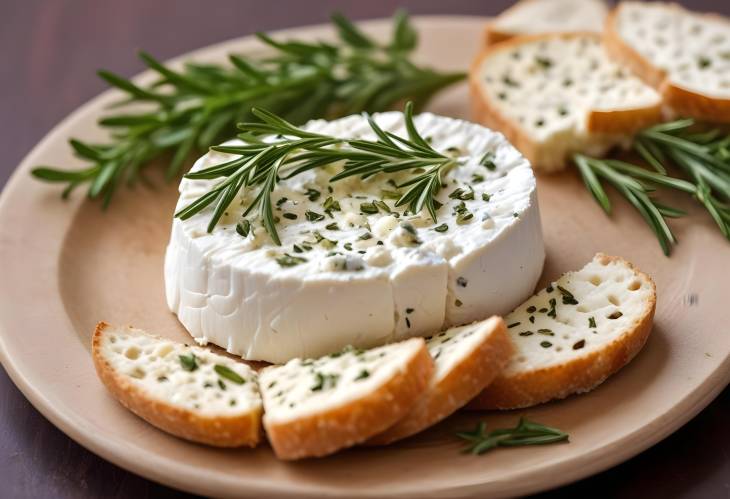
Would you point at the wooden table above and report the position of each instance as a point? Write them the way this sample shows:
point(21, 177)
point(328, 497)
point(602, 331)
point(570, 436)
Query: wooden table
point(50, 51)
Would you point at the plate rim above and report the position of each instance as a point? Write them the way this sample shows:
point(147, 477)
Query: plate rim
point(157, 467)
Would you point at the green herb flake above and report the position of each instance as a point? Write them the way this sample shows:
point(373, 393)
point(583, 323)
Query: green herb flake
point(487, 161)
point(229, 374)
point(441, 228)
point(363, 374)
point(290, 216)
point(368, 208)
point(592, 322)
point(312, 194)
point(545, 344)
point(514, 324)
point(568, 298)
point(313, 216)
point(189, 362)
point(287, 260)
point(479, 441)
point(332, 226)
point(243, 228)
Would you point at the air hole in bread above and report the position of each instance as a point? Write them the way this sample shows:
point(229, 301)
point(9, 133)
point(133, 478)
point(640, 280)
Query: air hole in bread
point(521, 358)
point(113, 339)
point(595, 280)
point(558, 349)
point(132, 353)
point(138, 373)
point(613, 300)
point(635, 285)
point(582, 309)
point(164, 350)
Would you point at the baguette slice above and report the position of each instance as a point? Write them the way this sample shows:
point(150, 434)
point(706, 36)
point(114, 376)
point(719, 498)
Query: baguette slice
point(685, 55)
point(316, 407)
point(557, 94)
point(587, 325)
point(532, 17)
point(466, 359)
point(147, 375)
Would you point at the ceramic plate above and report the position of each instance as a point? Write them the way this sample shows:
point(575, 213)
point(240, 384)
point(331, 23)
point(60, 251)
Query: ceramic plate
point(66, 265)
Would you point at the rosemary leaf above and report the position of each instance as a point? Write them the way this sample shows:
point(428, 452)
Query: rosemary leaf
point(525, 433)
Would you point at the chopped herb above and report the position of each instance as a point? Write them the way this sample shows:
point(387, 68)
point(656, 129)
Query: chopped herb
point(543, 310)
point(579, 344)
point(382, 205)
point(476, 178)
point(324, 381)
point(290, 216)
point(313, 216)
point(312, 194)
point(229, 374)
point(243, 228)
point(526, 333)
point(552, 313)
point(487, 161)
point(363, 374)
point(441, 228)
point(464, 217)
point(543, 62)
point(221, 384)
point(331, 205)
point(615, 315)
point(531, 309)
point(365, 236)
point(332, 226)
point(189, 362)
point(461, 194)
point(162, 379)
point(281, 201)
point(545, 344)
point(388, 194)
point(549, 288)
point(514, 324)
point(485, 196)
point(458, 303)
point(410, 310)
point(568, 298)
point(348, 246)
point(546, 332)
point(368, 208)
point(461, 281)
point(408, 322)
point(287, 260)
point(592, 322)
point(297, 249)
point(532, 319)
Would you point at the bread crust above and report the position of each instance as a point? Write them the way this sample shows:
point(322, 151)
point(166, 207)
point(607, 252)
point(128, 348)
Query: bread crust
point(577, 376)
point(614, 122)
point(679, 100)
point(461, 385)
point(327, 432)
point(218, 431)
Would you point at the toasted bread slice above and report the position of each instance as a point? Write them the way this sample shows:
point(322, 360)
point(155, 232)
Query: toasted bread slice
point(685, 55)
point(316, 407)
point(190, 392)
point(574, 334)
point(532, 17)
point(466, 359)
point(557, 94)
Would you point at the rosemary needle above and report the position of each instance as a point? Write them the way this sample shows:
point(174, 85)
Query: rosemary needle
point(525, 433)
point(190, 109)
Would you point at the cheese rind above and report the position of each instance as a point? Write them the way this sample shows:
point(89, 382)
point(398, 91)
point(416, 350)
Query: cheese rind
point(368, 278)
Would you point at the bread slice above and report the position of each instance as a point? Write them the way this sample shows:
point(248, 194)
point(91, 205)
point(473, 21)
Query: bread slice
point(685, 55)
point(466, 359)
point(315, 407)
point(190, 392)
point(574, 334)
point(532, 17)
point(556, 94)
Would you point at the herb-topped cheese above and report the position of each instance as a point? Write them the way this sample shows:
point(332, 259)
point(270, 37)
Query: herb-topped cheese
point(303, 387)
point(352, 268)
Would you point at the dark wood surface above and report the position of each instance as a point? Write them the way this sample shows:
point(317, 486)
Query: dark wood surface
point(49, 52)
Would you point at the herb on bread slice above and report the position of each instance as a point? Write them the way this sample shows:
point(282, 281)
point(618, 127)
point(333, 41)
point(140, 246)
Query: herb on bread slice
point(574, 334)
point(685, 55)
point(315, 407)
point(466, 359)
point(531, 17)
point(190, 392)
point(557, 94)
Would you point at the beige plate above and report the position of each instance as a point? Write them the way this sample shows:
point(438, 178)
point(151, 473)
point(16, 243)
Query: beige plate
point(65, 266)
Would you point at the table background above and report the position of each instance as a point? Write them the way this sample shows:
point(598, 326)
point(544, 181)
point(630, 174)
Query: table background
point(50, 51)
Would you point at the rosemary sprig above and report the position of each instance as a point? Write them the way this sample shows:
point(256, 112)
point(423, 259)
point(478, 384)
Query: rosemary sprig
point(191, 109)
point(703, 156)
point(525, 433)
point(261, 163)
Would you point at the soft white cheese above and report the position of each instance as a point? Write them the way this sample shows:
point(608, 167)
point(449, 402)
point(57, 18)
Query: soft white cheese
point(371, 278)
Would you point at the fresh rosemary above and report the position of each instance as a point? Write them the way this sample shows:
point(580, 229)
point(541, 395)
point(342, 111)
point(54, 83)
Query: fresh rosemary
point(261, 163)
point(199, 105)
point(701, 153)
point(525, 433)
